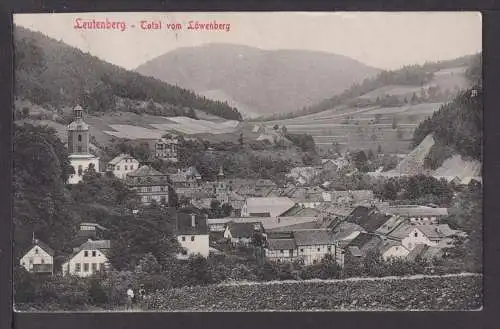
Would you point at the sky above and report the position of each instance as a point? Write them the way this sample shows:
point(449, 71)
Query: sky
point(382, 40)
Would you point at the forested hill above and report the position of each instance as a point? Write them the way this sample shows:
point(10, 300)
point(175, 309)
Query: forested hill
point(458, 124)
point(408, 76)
point(55, 75)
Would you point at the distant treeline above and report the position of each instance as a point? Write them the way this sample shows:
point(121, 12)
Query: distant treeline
point(52, 73)
point(412, 75)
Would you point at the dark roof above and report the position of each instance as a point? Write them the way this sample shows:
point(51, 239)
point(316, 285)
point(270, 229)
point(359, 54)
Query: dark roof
point(364, 239)
point(368, 218)
point(145, 171)
point(44, 246)
point(312, 237)
point(281, 244)
point(184, 224)
point(242, 230)
point(298, 211)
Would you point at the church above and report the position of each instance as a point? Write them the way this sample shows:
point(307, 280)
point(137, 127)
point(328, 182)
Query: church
point(78, 147)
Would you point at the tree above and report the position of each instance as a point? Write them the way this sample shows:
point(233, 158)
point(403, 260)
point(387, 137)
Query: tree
point(97, 295)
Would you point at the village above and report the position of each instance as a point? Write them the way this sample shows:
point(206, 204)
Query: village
point(295, 223)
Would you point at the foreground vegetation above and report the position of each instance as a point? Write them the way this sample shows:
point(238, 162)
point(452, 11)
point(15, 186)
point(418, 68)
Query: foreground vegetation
point(426, 293)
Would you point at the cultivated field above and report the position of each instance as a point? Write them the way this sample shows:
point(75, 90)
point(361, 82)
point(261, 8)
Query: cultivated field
point(448, 292)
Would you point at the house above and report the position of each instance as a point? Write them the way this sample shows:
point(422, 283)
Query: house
point(166, 149)
point(149, 184)
point(266, 207)
point(121, 165)
point(425, 252)
point(313, 245)
point(391, 249)
point(186, 182)
point(269, 223)
point(358, 248)
point(91, 230)
point(419, 214)
point(39, 258)
point(367, 217)
point(242, 233)
point(281, 247)
point(79, 147)
point(309, 246)
point(428, 234)
point(192, 233)
point(87, 259)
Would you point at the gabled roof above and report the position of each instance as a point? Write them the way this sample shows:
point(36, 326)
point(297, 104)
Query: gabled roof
point(184, 225)
point(388, 244)
point(243, 230)
point(417, 211)
point(401, 231)
point(145, 171)
point(312, 237)
point(101, 245)
point(365, 239)
point(390, 225)
point(43, 246)
point(121, 157)
point(369, 218)
point(344, 229)
point(281, 244)
point(275, 206)
point(298, 211)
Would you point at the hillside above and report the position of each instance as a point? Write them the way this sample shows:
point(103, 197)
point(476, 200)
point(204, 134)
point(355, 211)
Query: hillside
point(53, 74)
point(382, 113)
point(260, 81)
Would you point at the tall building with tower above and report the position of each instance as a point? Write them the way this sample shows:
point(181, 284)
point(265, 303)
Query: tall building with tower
point(78, 147)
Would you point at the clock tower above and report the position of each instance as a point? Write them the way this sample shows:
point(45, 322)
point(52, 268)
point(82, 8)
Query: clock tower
point(79, 147)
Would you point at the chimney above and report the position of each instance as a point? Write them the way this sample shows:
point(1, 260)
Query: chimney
point(193, 220)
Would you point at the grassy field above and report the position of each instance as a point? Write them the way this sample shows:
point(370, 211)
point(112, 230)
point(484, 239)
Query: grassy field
point(449, 292)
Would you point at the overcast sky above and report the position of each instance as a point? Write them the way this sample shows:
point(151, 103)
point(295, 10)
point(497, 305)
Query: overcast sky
point(382, 40)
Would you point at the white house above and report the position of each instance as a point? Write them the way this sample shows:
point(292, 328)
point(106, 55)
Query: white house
point(192, 234)
point(89, 258)
point(39, 258)
point(430, 235)
point(281, 247)
point(266, 206)
point(121, 165)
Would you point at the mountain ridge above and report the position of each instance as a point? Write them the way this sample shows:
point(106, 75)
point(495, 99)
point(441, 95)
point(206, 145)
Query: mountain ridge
point(265, 81)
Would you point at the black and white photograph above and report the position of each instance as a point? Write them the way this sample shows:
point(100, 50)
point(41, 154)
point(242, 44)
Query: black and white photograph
point(247, 161)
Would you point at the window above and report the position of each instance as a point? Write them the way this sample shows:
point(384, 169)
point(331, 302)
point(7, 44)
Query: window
point(23, 263)
point(301, 250)
point(416, 234)
point(79, 138)
point(94, 253)
point(290, 251)
point(94, 267)
point(43, 261)
point(78, 267)
point(126, 168)
point(329, 248)
point(85, 253)
point(86, 267)
point(281, 251)
point(36, 250)
point(319, 249)
point(131, 167)
point(192, 238)
point(183, 238)
point(162, 189)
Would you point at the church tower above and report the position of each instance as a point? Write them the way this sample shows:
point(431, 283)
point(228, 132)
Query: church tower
point(78, 147)
point(78, 133)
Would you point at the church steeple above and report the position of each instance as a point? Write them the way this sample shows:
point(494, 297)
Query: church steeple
point(78, 133)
